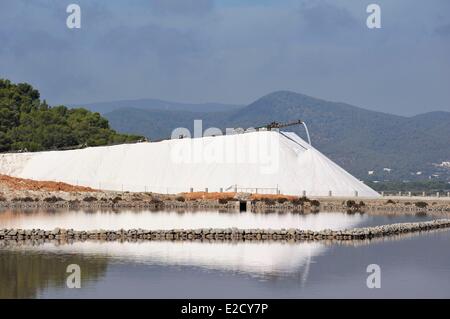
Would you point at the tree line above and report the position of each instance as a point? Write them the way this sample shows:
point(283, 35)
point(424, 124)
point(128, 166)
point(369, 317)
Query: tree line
point(29, 124)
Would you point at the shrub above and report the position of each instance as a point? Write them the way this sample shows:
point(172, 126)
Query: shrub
point(315, 202)
point(362, 204)
point(53, 199)
point(90, 199)
point(223, 201)
point(2, 199)
point(421, 204)
point(300, 200)
point(390, 201)
point(269, 201)
point(156, 201)
point(350, 203)
point(282, 200)
point(116, 199)
point(180, 199)
point(305, 199)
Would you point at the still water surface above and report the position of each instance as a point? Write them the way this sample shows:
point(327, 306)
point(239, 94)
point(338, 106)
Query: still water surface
point(127, 219)
point(411, 266)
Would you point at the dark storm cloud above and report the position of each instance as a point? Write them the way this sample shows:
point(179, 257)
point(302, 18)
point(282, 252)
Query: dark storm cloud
point(231, 51)
point(323, 19)
point(182, 7)
point(149, 38)
point(443, 30)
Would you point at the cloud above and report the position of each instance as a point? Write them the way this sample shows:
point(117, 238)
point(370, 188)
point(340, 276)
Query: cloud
point(323, 19)
point(182, 7)
point(200, 50)
point(443, 30)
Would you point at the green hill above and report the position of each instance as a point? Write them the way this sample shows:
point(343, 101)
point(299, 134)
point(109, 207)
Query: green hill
point(27, 123)
point(357, 139)
point(158, 105)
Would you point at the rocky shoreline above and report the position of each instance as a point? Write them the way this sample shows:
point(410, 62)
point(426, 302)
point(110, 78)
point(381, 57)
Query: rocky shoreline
point(239, 201)
point(18, 193)
point(227, 234)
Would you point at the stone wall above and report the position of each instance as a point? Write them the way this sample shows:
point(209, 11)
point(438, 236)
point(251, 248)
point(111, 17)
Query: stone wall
point(222, 234)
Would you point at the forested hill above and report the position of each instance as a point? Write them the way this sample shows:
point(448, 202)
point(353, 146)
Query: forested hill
point(371, 145)
point(27, 123)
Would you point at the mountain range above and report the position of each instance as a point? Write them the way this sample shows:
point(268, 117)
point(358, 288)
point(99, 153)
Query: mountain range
point(373, 146)
point(156, 104)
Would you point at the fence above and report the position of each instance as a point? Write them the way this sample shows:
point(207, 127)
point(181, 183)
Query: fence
point(123, 187)
point(415, 194)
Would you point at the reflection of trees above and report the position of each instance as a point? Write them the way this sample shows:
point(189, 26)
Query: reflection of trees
point(24, 273)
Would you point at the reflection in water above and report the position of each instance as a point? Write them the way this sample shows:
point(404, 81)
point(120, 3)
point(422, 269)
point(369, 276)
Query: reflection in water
point(126, 219)
point(25, 270)
point(24, 273)
point(28, 271)
point(282, 269)
point(256, 258)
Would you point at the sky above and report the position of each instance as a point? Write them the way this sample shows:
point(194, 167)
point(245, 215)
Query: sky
point(231, 51)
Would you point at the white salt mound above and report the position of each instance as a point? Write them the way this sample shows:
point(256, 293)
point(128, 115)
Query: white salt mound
point(263, 162)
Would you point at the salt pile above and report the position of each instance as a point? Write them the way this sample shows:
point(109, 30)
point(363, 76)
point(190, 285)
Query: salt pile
point(262, 162)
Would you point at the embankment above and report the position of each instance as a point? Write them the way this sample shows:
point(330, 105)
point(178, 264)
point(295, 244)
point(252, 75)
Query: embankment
point(17, 193)
point(227, 234)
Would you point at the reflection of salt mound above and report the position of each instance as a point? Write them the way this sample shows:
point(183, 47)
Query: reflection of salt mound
point(260, 258)
point(254, 258)
point(266, 160)
point(81, 220)
point(250, 257)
